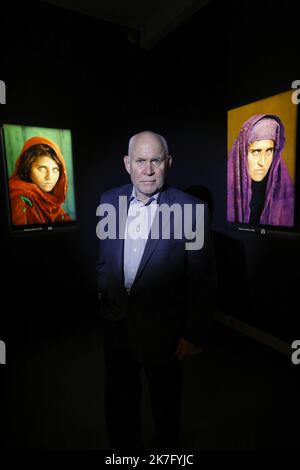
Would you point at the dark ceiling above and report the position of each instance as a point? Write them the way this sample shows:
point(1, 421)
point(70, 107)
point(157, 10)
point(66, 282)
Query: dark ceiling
point(154, 19)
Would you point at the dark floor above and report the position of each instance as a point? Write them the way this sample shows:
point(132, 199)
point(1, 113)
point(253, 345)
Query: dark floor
point(239, 394)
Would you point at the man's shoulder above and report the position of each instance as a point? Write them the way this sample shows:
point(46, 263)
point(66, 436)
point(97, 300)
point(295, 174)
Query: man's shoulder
point(183, 197)
point(114, 193)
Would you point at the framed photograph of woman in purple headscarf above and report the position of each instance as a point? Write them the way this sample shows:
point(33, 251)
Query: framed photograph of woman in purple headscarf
point(261, 166)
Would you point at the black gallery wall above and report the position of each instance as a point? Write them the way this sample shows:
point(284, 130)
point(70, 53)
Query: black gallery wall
point(262, 61)
point(67, 70)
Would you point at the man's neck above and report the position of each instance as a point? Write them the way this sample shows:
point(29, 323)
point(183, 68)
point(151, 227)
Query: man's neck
point(144, 198)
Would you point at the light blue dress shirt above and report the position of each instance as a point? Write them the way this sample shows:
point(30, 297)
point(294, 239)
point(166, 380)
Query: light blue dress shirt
point(138, 224)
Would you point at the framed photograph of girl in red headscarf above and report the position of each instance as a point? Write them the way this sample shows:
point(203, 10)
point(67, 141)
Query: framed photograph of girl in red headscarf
point(261, 165)
point(39, 172)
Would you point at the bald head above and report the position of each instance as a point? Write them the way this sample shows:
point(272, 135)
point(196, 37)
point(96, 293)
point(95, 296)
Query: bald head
point(147, 163)
point(151, 137)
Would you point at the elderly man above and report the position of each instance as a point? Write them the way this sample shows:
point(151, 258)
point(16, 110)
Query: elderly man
point(157, 290)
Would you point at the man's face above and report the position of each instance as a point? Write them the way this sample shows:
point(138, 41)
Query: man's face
point(147, 166)
point(260, 157)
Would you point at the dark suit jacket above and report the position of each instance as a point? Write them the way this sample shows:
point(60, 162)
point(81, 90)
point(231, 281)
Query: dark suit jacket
point(173, 292)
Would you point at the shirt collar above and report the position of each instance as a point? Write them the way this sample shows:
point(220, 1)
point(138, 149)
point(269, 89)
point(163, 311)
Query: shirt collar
point(133, 197)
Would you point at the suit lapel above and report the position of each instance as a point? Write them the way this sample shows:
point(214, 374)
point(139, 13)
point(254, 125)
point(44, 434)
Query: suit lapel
point(151, 245)
point(121, 207)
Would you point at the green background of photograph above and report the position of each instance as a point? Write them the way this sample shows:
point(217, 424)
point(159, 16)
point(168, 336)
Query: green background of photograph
point(14, 138)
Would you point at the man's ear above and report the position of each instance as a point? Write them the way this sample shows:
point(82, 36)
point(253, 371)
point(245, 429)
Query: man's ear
point(170, 159)
point(126, 160)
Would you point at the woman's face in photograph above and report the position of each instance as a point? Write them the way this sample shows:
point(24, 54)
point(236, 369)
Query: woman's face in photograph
point(44, 173)
point(260, 157)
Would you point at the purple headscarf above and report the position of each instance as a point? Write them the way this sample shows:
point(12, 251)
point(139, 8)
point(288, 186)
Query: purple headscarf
point(278, 207)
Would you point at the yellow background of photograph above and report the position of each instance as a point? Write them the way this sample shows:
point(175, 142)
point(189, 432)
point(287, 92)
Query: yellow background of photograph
point(282, 106)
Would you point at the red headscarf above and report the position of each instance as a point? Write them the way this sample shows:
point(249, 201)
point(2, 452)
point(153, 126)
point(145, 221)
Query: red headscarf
point(31, 205)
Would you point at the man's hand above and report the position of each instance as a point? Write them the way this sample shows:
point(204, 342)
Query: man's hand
point(185, 349)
